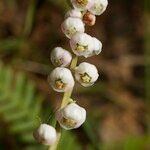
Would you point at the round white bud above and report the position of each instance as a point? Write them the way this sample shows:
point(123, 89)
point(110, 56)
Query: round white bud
point(81, 4)
point(86, 74)
point(71, 116)
point(98, 7)
point(45, 134)
point(72, 25)
point(61, 79)
point(60, 57)
point(74, 13)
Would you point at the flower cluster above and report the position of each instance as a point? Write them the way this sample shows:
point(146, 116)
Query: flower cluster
point(62, 79)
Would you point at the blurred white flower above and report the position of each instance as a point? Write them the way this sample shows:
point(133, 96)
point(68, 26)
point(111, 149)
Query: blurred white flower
point(89, 19)
point(45, 134)
point(71, 116)
point(60, 57)
point(74, 13)
point(61, 79)
point(81, 4)
point(72, 25)
point(86, 74)
point(98, 7)
point(97, 46)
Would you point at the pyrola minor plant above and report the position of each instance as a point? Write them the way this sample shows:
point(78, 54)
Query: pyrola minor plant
point(62, 79)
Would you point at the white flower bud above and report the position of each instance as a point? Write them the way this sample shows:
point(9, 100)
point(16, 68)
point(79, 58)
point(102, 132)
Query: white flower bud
point(71, 116)
point(98, 7)
point(86, 74)
point(60, 57)
point(45, 134)
point(74, 13)
point(61, 79)
point(71, 26)
point(82, 44)
point(81, 4)
point(97, 46)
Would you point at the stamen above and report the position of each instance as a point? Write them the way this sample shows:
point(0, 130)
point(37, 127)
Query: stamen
point(86, 78)
point(58, 62)
point(82, 2)
point(81, 48)
point(70, 123)
point(71, 31)
point(59, 84)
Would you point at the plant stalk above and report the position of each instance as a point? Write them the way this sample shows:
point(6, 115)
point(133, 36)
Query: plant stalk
point(64, 102)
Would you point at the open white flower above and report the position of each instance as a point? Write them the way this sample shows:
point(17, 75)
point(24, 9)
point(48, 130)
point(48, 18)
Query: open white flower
point(98, 7)
point(81, 4)
point(45, 134)
point(74, 13)
point(82, 44)
point(71, 116)
point(60, 57)
point(86, 74)
point(72, 25)
point(61, 79)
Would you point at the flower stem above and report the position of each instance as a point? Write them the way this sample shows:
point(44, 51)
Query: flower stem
point(65, 101)
point(67, 95)
point(54, 147)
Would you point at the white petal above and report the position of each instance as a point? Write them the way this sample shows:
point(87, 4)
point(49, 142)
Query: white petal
point(97, 46)
point(83, 118)
point(74, 13)
point(72, 111)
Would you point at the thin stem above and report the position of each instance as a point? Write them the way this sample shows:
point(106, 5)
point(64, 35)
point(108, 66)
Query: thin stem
point(67, 95)
point(65, 101)
point(54, 147)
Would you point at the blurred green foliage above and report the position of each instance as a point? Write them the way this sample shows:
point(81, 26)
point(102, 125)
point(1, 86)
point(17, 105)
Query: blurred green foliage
point(19, 106)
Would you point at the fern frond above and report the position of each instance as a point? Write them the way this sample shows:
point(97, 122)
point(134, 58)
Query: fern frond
point(19, 105)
